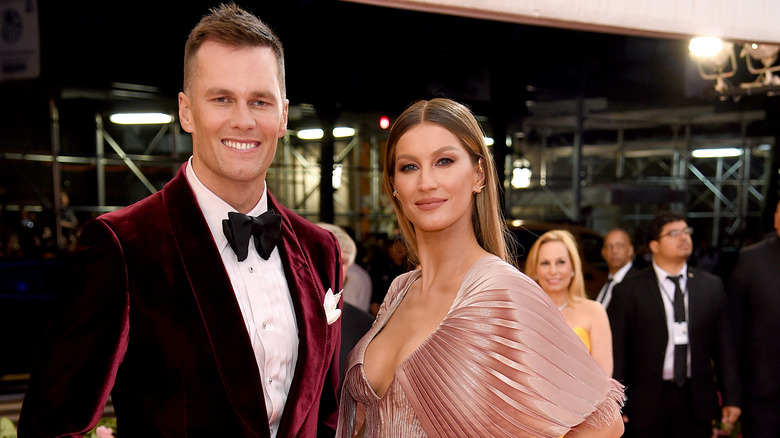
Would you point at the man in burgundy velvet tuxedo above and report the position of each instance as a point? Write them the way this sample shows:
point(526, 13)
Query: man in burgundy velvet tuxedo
point(193, 331)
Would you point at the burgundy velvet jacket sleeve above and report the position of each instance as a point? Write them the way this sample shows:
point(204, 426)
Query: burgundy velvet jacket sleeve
point(77, 363)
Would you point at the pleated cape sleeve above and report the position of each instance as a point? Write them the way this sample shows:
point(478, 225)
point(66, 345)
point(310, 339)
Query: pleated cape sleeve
point(504, 363)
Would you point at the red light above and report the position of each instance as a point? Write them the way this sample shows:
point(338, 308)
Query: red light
point(384, 122)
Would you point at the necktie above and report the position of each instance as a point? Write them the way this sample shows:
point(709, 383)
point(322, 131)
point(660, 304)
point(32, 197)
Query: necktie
point(604, 290)
point(680, 351)
point(266, 230)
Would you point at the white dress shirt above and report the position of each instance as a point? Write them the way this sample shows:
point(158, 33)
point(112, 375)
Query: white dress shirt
point(667, 296)
point(264, 298)
point(605, 295)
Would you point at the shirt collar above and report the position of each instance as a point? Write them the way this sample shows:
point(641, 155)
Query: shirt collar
point(661, 274)
point(618, 277)
point(215, 209)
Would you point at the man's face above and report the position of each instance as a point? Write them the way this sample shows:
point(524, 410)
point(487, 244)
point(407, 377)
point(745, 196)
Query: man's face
point(674, 244)
point(235, 112)
point(617, 250)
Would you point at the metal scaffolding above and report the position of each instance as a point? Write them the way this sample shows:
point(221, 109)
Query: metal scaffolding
point(624, 180)
point(627, 163)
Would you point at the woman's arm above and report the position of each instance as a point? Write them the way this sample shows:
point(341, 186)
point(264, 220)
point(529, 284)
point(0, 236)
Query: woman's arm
point(600, 337)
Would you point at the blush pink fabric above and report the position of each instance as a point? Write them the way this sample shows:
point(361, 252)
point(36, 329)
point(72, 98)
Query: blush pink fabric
point(502, 363)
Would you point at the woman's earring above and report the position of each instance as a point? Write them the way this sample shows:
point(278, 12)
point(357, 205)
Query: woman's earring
point(479, 164)
point(395, 193)
point(572, 275)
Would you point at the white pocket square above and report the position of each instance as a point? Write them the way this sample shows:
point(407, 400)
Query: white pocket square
point(331, 305)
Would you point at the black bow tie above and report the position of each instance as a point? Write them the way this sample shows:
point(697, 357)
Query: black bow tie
point(266, 229)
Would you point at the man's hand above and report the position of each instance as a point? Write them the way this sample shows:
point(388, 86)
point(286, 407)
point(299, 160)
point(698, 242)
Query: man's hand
point(730, 416)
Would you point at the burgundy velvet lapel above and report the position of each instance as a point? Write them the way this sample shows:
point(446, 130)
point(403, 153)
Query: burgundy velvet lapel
point(308, 295)
point(218, 307)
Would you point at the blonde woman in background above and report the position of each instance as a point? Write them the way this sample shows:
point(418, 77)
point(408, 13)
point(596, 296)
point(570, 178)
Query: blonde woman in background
point(554, 262)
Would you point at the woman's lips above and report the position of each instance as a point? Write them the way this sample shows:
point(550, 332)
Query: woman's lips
point(430, 203)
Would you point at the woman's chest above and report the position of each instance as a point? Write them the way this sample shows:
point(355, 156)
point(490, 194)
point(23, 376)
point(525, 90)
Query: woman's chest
point(410, 325)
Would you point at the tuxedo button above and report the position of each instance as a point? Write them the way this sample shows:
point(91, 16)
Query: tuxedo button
point(251, 269)
point(264, 326)
point(270, 381)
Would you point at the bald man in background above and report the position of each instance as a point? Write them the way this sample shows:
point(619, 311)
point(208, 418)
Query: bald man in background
point(619, 255)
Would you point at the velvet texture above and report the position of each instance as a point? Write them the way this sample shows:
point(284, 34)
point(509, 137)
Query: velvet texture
point(148, 310)
point(502, 363)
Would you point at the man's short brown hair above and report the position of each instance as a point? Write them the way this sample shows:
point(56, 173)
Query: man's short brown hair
point(230, 25)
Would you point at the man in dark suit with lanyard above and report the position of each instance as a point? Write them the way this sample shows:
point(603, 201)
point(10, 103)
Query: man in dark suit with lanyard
point(671, 349)
point(754, 316)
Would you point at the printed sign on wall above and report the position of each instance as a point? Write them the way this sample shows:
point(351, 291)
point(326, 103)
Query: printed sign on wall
point(19, 40)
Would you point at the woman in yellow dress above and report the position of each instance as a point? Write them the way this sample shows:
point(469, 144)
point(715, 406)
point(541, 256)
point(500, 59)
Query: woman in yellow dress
point(554, 262)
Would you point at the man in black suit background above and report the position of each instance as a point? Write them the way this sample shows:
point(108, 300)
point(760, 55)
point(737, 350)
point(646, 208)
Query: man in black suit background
point(618, 252)
point(670, 347)
point(753, 301)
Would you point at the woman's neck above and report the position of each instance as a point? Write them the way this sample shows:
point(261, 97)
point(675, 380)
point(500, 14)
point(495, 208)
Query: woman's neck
point(447, 255)
point(560, 298)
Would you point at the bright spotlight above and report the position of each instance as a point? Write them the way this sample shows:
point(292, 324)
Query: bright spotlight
point(336, 178)
point(316, 133)
point(310, 134)
point(705, 47)
point(140, 118)
point(343, 131)
point(716, 153)
point(715, 59)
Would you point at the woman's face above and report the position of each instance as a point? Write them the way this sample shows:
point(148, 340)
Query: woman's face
point(435, 179)
point(554, 269)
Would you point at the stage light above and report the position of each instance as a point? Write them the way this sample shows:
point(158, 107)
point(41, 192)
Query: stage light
point(705, 47)
point(316, 133)
point(343, 131)
point(767, 54)
point(310, 134)
point(521, 174)
point(384, 122)
point(715, 59)
point(716, 153)
point(336, 177)
point(140, 118)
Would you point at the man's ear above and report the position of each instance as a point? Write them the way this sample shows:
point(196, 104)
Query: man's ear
point(283, 124)
point(185, 113)
point(653, 245)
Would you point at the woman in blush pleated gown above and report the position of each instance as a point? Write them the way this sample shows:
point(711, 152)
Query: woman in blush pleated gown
point(465, 345)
